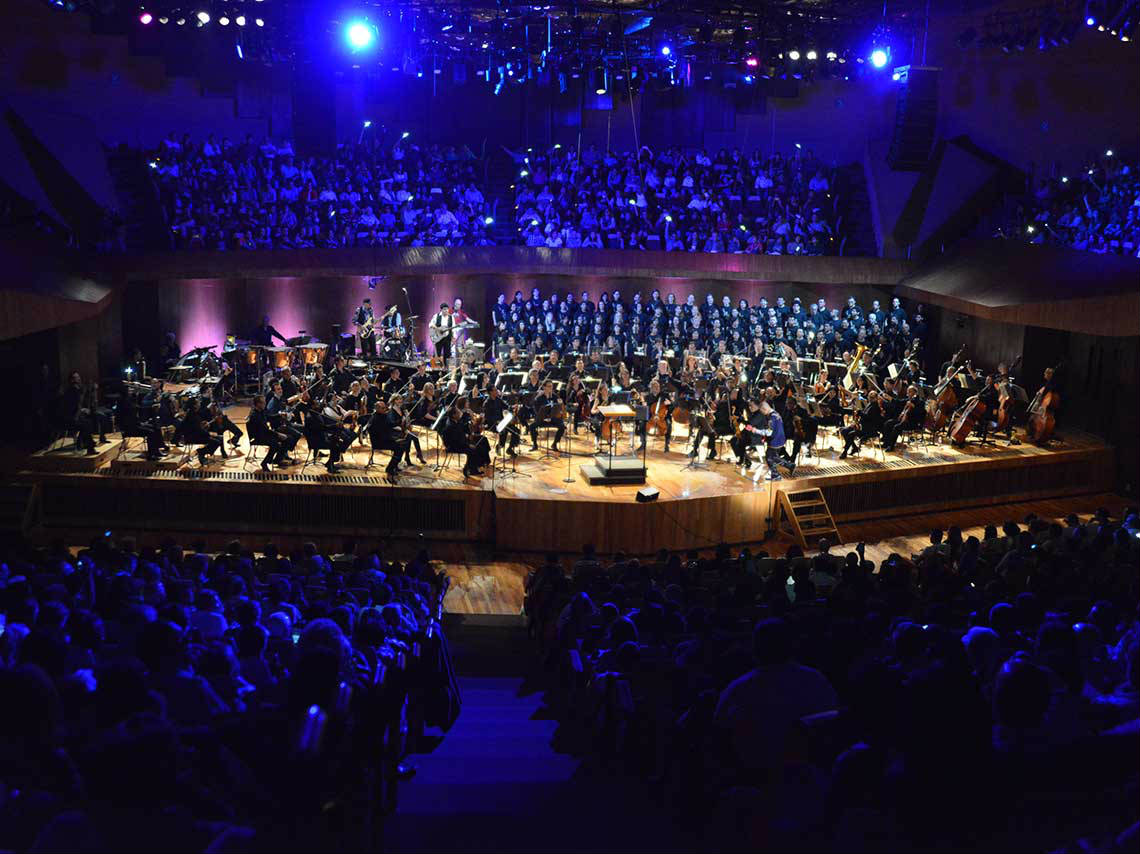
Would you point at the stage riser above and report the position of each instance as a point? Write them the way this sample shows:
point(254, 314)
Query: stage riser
point(140, 505)
point(968, 486)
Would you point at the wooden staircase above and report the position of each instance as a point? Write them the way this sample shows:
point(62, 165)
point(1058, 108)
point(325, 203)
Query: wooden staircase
point(805, 515)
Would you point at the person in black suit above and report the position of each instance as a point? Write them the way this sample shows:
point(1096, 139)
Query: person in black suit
point(263, 336)
point(131, 424)
point(262, 432)
point(545, 415)
point(383, 435)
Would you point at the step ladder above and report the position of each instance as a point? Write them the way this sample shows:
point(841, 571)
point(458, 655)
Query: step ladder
point(804, 514)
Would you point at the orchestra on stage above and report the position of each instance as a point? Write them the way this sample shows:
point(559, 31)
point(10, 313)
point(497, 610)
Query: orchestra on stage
point(755, 384)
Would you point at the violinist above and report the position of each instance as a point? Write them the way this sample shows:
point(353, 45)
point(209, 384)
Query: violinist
point(869, 422)
point(424, 409)
point(385, 433)
point(289, 385)
point(393, 384)
point(220, 424)
point(401, 418)
point(576, 399)
point(546, 414)
point(323, 435)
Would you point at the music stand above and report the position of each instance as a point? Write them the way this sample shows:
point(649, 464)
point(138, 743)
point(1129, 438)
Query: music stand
point(504, 423)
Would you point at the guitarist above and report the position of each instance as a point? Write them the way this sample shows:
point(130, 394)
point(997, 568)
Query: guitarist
point(365, 322)
point(441, 330)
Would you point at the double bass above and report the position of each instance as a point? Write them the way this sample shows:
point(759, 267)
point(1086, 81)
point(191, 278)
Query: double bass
point(945, 399)
point(967, 418)
point(1005, 398)
point(1042, 411)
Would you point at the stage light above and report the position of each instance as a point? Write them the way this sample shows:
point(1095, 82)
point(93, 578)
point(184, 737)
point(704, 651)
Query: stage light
point(360, 35)
point(145, 18)
point(668, 218)
point(752, 61)
point(1030, 229)
point(1064, 179)
point(1100, 28)
point(203, 18)
point(180, 21)
point(488, 220)
point(240, 20)
point(259, 21)
point(793, 55)
point(164, 20)
point(599, 80)
point(368, 123)
point(224, 21)
point(405, 134)
point(1108, 153)
point(832, 56)
point(812, 56)
point(879, 57)
point(666, 50)
point(896, 76)
point(1090, 21)
point(523, 173)
point(747, 78)
point(237, 47)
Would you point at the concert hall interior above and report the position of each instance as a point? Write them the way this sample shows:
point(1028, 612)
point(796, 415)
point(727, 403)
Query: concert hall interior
point(480, 426)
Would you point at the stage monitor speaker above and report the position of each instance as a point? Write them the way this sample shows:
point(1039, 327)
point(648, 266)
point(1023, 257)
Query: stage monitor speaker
point(916, 119)
point(648, 493)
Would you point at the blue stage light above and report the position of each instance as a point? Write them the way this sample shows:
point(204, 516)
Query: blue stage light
point(360, 35)
point(879, 57)
point(666, 50)
point(1090, 21)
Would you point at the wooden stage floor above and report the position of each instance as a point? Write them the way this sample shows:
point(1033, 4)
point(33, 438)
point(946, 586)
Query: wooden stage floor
point(532, 508)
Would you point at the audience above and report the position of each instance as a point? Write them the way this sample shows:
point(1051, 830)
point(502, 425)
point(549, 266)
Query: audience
point(678, 201)
point(163, 693)
point(224, 195)
point(1095, 208)
point(981, 695)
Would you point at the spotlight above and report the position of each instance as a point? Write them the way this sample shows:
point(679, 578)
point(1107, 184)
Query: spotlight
point(1100, 28)
point(360, 35)
point(259, 21)
point(145, 18)
point(812, 56)
point(203, 18)
point(747, 78)
point(488, 220)
point(1108, 153)
point(832, 56)
point(599, 80)
point(240, 20)
point(793, 55)
point(879, 57)
point(1064, 179)
point(224, 21)
point(896, 76)
point(1030, 229)
point(666, 50)
point(405, 134)
point(368, 123)
point(180, 21)
point(164, 20)
point(752, 61)
point(1090, 21)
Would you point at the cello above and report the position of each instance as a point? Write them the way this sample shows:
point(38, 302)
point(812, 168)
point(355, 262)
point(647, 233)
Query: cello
point(945, 399)
point(1042, 411)
point(967, 418)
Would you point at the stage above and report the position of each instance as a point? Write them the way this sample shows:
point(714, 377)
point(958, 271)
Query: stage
point(530, 507)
